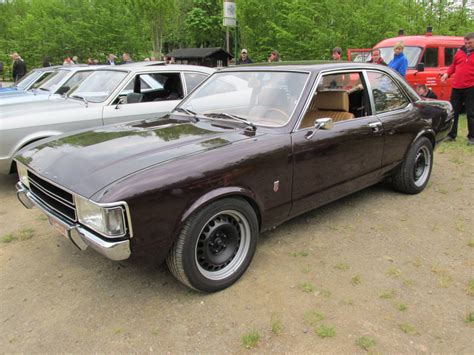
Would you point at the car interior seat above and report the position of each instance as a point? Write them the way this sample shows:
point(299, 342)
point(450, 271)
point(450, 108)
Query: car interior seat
point(134, 97)
point(332, 103)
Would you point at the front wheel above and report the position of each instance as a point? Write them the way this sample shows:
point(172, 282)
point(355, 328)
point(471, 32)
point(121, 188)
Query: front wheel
point(414, 173)
point(215, 245)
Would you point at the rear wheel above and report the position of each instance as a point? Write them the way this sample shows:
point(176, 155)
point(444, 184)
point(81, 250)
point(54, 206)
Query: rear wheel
point(414, 173)
point(215, 246)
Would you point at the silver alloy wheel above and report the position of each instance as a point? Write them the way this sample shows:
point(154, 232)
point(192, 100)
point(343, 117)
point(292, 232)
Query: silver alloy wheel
point(222, 245)
point(422, 166)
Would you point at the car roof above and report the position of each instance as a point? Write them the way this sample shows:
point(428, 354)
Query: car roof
point(309, 66)
point(422, 40)
point(140, 66)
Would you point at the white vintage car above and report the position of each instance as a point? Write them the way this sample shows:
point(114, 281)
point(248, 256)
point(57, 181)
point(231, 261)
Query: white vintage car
point(107, 95)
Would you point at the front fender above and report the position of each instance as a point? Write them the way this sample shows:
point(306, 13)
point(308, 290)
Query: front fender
point(33, 137)
point(222, 192)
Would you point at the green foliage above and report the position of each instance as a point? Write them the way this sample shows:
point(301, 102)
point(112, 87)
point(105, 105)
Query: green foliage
point(325, 331)
point(250, 340)
point(298, 29)
point(365, 342)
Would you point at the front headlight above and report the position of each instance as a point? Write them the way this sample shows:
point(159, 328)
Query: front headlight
point(109, 221)
point(23, 174)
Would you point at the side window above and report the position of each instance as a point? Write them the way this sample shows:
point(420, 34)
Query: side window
point(193, 80)
point(387, 95)
point(152, 87)
point(340, 96)
point(430, 58)
point(449, 56)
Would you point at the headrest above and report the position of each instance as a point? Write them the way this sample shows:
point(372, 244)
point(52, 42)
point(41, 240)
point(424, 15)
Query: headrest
point(332, 100)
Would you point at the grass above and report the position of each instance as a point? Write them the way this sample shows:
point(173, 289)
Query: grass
point(154, 332)
point(470, 318)
point(251, 339)
point(444, 281)
point(387, 295)
point(325, 293)
point(41, 218)
point(409, 282)
point(408, 329)
point(276, 325)
point(26, 234)
point(461, 141)
point(470, 287)
point(394, 272)
point(402, 307)
point(365, 342)
point(324, 331)
point(342, 266)
point(313, 317)
point(471, 243)
point(356, 280)
point(7, 238)
point(307, 287)
point(299, 253)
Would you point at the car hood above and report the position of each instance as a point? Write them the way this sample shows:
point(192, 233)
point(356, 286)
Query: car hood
point(88, 161)
point(28, 109)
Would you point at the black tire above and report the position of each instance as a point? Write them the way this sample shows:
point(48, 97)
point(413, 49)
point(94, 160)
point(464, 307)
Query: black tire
point(415, 171)
point(215, 246)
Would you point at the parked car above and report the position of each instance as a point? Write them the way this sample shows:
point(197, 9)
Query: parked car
point(28, 81)
point(108, 94)
point(56, 84)
point(232, 160)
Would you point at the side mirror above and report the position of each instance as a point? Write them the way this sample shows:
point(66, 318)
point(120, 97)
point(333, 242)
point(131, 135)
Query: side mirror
point(62, 90)
point(320, 123)
point(420, 67)
point(122, 100)
point(323, 123)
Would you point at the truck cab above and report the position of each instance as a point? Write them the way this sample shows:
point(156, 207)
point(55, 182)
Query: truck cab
point(428, 57)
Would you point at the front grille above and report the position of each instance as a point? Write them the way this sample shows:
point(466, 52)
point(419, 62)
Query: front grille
point(52, 196)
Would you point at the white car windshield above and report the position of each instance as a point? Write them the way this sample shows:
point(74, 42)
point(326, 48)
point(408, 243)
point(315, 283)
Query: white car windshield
point(52, 81)
point(264, 98)
point(412, 54)
point(98, 86)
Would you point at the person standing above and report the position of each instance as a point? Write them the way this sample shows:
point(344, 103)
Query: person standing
point(46, 62)
point(376, 57)
point(111, 59)
point(463, 87)
point(336, 53)
point(244, 58)
point(19, 67)
point(274, 56)
point(126, 59)
point(399, 62)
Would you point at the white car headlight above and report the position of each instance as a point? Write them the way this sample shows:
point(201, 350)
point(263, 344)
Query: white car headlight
point(109, 221)
point(23, 174)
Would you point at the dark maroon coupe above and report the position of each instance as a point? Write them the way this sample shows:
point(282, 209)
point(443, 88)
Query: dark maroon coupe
point(249, 149)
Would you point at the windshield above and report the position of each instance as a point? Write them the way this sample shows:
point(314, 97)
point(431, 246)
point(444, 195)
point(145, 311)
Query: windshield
point(51, 82)
point(265, 98)
point(412, 54)
point(98, 86)
point(27, 80)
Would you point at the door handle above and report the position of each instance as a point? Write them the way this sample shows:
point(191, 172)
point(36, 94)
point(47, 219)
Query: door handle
point(376, 127)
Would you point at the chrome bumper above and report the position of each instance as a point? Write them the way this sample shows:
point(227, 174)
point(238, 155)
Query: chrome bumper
point(79, 236)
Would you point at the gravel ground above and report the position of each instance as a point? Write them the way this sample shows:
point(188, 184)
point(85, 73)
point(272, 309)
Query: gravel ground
point(378, 270)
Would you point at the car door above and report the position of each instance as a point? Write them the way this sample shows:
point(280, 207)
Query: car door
point(330, 163)
point(397, 114)
point(154, 102)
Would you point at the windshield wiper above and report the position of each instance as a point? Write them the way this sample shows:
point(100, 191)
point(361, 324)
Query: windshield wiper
point(188, 112)
point(230, 116)
point(81, 98)
point(40, 88)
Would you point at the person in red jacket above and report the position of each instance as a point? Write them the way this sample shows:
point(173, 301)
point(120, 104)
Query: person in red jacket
point(463, 86)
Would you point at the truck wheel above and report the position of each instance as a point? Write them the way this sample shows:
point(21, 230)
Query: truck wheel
point(215, 245)
point(414, 173)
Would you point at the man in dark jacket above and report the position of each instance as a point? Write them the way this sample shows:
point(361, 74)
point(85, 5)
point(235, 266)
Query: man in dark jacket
point(244, 57)
point(376, 58)
point(19, 67)
point(463, 86)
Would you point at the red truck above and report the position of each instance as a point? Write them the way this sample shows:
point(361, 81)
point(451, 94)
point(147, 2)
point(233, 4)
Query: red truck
point(428, 57)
